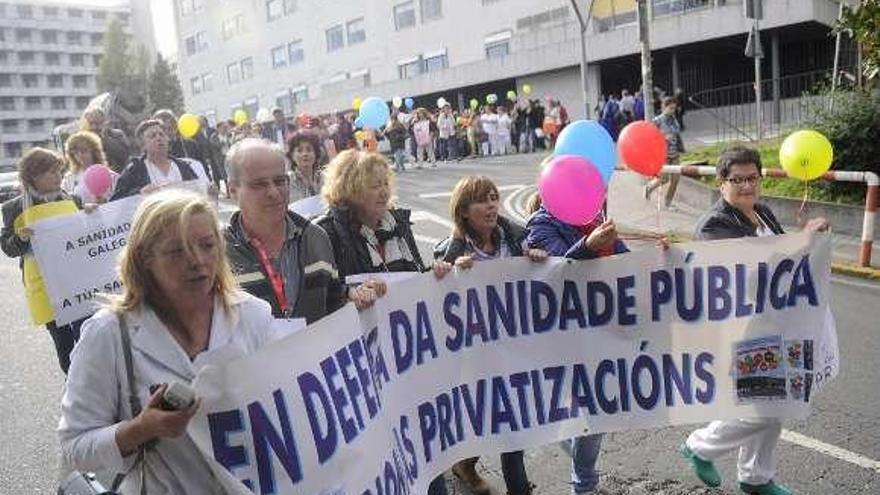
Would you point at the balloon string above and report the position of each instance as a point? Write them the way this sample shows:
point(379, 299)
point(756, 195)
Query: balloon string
point(800, 214)
point(661, 193)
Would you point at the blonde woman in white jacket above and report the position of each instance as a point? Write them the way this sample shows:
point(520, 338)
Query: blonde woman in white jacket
point(180, 307)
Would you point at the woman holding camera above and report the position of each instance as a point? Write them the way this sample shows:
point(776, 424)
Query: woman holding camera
point(179, 310)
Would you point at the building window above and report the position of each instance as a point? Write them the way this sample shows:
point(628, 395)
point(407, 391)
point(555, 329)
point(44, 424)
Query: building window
point(24, 11)
point(99, 15)
point(5, 80)
point(187, 7)
point(279, 56)
point(10, 126)
point(97, 60)
point(196, 43)
point(26, 58)
point(81, 102)
point(55, 80)
point(13, 150)
point(124, 18)
point(432, 10)
point(74, 38)
point(50, 12)
point(498, 45)
point(233, 72)
point(404, 15)
point(52, 58)
point(59, 103)
point(7, 103)
point(196, 85)
point(36, 125)
point(251, 105)
point(33, 103)
point(284, 101)
point(335, 38)
point(274, 9)
point(300, 94)
point(208, 82)
point(97, 39)
point(80, 81)
point(30, 80)
point(247, 69)
point(355, 31)
point(289, 7)
point(77, 60)
point(436, 62)
point(4, 56)
point(410, 68)
point(50, 36)
point(75, 13)
point(23, 35)
point(295, 53)
point(233, 26)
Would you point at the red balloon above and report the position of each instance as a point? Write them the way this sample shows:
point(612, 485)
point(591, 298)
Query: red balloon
point(642, 148)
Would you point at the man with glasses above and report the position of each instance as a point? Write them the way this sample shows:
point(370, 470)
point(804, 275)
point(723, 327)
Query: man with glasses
point(276, 254)
point(739, 214)
point(156, 167)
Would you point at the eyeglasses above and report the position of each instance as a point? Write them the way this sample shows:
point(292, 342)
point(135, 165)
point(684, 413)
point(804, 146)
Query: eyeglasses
point(279, 181)
point(748, 179)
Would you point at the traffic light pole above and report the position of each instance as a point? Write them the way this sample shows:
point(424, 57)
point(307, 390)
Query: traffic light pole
point(644, 17)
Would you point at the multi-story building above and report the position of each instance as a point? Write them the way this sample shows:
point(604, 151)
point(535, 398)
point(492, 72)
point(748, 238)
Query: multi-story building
point(316, 56)
point(49, 57)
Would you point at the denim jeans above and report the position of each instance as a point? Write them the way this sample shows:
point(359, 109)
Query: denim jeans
point(584, 454)
point(399, 159)
point(442, 148)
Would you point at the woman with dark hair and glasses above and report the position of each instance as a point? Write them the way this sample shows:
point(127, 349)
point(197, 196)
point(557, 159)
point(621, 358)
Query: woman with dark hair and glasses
point(738, 213)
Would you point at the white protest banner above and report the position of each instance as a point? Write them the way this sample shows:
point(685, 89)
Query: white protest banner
point(77, 256)
point(77, 253)
point(512, 354)
point(310, 207)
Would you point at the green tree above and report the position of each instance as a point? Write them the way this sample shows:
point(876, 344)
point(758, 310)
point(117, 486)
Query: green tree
point(113, 71)
point(164, 89)
point(864, 24)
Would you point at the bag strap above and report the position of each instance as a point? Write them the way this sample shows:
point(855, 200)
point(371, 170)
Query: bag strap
point(133, 400)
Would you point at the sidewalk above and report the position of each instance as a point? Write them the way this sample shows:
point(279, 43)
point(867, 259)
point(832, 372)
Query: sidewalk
point(627, 206)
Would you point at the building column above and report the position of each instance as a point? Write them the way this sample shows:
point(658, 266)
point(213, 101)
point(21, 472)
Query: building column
point(676, 73)
point(594, 88)
point(775, 73)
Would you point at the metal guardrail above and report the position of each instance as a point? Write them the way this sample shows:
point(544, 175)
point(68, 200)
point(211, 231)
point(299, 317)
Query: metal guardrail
point(872, 195)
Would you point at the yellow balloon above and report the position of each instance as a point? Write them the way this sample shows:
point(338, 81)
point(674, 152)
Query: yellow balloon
point(356, 103)
point(806, 155)
point(527, 89)
point(188, 125)
point(240, 117)
point(359, 135)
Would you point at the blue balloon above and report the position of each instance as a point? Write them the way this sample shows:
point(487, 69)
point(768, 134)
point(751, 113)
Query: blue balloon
point(358, 122)
point(588, 139)
point(374, 112)
point(409, 103)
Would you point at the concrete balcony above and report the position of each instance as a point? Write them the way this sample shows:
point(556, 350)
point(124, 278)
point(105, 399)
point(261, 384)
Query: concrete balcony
point(21, 113)
point(43, 91)
point(28, 136)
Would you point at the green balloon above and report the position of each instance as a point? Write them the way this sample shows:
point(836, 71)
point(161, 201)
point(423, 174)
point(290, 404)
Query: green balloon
point(474, 103)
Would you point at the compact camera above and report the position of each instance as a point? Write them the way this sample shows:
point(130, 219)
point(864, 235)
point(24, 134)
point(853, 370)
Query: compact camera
point(82, 484)
point(177, 396)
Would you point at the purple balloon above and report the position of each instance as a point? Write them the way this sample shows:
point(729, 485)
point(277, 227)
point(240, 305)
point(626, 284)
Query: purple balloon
point(572, 189)
point(97, 180)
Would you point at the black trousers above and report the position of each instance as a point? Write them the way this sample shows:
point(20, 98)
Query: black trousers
point(65, 337)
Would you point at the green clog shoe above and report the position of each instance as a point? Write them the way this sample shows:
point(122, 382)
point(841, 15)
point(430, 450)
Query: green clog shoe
point(770, 488)
point(705, 470)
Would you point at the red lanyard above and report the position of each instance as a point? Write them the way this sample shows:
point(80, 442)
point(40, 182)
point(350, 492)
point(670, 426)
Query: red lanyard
point(274, 277)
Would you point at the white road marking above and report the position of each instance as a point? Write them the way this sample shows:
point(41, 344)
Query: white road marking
point(431, 217)
point(428, 240)
point(830, 450)
point(843, 280)
point(449, 193)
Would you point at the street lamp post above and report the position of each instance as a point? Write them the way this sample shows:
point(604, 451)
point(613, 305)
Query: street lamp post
point(644, 18)
point(582, 21)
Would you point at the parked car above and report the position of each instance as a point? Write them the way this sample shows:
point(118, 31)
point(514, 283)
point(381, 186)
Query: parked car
point(9, 187)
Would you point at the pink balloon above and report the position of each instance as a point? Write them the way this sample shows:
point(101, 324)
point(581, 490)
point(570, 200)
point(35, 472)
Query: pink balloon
point(97, 180)
point(572, 189)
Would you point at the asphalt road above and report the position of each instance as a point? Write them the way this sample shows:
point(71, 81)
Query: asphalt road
point(836, 451)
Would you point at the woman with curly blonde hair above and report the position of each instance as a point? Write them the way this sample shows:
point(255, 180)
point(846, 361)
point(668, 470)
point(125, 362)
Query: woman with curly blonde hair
point(84, 149)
